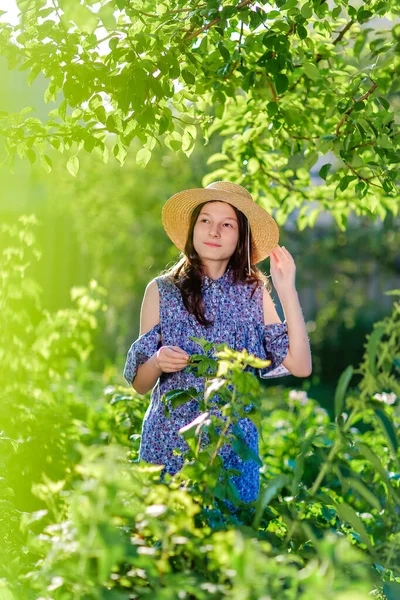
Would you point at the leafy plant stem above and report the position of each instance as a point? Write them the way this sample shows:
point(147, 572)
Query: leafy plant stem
point(325, 466)
point(221, 437)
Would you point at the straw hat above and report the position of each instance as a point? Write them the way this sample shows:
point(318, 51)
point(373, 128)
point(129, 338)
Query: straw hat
point(178, 208)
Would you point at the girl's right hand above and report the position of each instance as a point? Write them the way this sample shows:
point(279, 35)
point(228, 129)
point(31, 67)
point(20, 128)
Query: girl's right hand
point(171, 359)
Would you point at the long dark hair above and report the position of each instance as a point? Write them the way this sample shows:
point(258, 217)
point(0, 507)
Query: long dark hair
point(187, 274)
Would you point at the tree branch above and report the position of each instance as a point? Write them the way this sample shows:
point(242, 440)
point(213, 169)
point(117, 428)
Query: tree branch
point(170, 12)
point(341, 34)
point(348, 112)
point(192, 34)
point(371, 143)
point(287, 184)
point(319, 57)
point(361, 178)
point(239, 57)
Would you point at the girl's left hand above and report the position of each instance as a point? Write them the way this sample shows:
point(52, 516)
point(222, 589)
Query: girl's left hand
point(283, 269)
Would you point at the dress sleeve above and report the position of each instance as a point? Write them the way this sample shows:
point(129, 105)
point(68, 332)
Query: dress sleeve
point(275, 344)
point(141, 350)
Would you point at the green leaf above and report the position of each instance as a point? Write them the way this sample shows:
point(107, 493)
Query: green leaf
point(364, 15)
point(245, 452)
point(34, 73)
point(376, 463)
point(287, 6)
point(366, 493)
point(164, 124)
point(224, 51)
point(274, 14)
point(301, 32)
point(120, 153)
point(372, 348)
point(384, 141)
point(31, 155)
point(81, 15)
point(27, 109)
point(266, 495)
point(272, 108)
point(178, 397)
point(311, 70)
point(253, 165)
point(46, 163)
point(347, 513)
point(306, 10)
point(384, 102)
point(73, 165)
point(341, 388)
point(188, 77)
point(281, 83)
point(142, 157)
point(106, 14)
point(113, 123)
point(101, 114)
point(310, 160)
point(62, 109)
point(217, 157)
point(299, 463)
point(391, 589)
point(295, 162)
point(389, 430)
point(345, 181)
point(324, 170)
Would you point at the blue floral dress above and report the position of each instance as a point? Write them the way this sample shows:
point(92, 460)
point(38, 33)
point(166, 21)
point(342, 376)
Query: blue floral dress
point(238, 322)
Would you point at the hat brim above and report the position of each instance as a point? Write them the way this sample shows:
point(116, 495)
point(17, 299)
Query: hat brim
point(178, 208)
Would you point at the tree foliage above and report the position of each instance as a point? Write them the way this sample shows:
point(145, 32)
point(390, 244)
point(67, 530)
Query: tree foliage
point(285, 83)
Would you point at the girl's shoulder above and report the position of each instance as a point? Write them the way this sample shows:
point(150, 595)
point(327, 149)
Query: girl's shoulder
point(166, 284)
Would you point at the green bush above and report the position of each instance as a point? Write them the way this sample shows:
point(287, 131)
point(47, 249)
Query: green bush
point(82, 518)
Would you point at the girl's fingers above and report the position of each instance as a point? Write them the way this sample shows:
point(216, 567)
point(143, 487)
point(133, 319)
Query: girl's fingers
point(175, 354)
point(175, 358)
point(286, 251)
point(281, 253)
point(175, 365)
point(173, 368)
point(179, 350)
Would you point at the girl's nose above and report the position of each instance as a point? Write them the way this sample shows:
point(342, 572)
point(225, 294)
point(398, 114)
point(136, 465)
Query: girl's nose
point(213, 230)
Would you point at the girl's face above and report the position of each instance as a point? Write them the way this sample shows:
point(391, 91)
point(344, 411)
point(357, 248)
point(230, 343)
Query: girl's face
point(216, 231)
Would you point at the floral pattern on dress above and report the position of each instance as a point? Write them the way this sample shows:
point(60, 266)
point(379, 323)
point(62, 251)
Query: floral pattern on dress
point(237, 316)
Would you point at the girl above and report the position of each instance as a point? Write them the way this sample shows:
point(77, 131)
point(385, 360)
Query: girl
point(215, 292)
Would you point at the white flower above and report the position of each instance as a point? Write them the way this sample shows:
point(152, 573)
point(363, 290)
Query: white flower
point(155, 510)
point(386, 398)
point(110, 389)
point(56, 582)
point(299, 395)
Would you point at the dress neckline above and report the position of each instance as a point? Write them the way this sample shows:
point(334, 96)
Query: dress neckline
point(225, 281)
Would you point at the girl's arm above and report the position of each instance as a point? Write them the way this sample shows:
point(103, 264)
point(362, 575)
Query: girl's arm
point(167, 359)
point(298, 359)
point(283, 270)
point(149, 372)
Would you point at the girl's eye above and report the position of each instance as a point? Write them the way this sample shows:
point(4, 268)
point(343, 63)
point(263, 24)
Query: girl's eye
point(204, 220)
